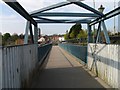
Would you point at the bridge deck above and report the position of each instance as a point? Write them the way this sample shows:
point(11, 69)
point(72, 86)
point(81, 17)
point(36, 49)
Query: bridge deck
point(63, 71)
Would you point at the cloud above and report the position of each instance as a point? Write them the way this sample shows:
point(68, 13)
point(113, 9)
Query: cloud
point(11, 17)
point(31, 5)
point(13, 22)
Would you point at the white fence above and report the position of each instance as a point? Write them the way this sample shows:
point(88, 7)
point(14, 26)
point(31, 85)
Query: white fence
point(19, 63)
point(104, 61)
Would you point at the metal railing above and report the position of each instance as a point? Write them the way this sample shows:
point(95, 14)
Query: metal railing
point(79, 52)
point(43, 52)
point(19, 64)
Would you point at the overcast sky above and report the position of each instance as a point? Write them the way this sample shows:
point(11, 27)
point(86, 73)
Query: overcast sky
point(12, 22)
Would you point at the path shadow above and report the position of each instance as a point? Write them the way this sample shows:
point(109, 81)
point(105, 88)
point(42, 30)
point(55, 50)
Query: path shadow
point(69, 77)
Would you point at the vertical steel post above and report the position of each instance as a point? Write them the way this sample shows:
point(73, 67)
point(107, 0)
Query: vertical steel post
point(105, 32)
point(36, 42)
point(89, 34)
point(35, 35)
point(39, 32)
point(94, 24)
point(26, 32)
point(31, 33)
point(98, 33)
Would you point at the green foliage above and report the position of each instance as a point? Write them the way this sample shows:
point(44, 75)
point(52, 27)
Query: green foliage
point(75, 29)
point(8, 39)
point(82, 34)
point(14, 37)
point(66, 36)
point(6, 36)
point(72, 35)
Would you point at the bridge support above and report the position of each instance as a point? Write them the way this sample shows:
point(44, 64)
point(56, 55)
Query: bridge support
point(105, 32)
point(98, 33)
point(102, 24)
point(34, 38)
point(26, 33)
point(89, 33)
point(35, 34)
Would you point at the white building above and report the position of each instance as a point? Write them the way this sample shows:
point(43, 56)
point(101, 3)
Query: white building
point(42, 39)
point(61, 39)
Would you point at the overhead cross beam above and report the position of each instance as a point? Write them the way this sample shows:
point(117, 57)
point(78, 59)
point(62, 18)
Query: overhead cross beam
point(50, 7)
point(62, 14)
point(106, 16)
point(60, 21)
point(46, 20)
point(85, 6)
point(18, 8)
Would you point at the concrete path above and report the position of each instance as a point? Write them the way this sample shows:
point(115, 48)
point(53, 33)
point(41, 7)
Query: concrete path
point(63, 71)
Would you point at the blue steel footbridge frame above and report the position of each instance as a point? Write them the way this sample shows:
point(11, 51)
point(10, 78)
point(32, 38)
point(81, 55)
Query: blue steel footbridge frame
point(39, 16)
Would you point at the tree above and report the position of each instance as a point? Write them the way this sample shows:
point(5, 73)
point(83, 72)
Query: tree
point(21, 36)
point(14, 37)
point(75, 29)
point(82, 34)
point(66, 36)
point(6, 36)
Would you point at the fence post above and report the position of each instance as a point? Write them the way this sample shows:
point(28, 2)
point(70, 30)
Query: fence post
point(35, 34)
point(26, 33)
point(89, 33)
point(105, 32)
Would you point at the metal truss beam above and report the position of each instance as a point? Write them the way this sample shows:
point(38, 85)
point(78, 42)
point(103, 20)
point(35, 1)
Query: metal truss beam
point(63, 20)
point(26, 32)
point(18, 8)
point(31, 33)
point(47, 21)
point(86, 7)
point(35, 35)
point(62, 14)
point(41, 18)
point(98, 33)
point(106, 16)
point(89, 33)
point(50, 7)
point(105, 32)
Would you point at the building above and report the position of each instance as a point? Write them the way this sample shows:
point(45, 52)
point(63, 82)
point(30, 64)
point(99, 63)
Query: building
point(61, 38)
point(41, 40)
point(19, 42)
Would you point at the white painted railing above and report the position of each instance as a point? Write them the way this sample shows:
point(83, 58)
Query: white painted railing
point(19, 63)
point(104, 61)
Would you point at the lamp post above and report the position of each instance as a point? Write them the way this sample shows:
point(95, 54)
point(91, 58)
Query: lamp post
point(114, 18)
point(101, 8)
point(94, 25)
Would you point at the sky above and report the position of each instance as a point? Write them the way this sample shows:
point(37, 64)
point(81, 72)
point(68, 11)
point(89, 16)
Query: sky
point(12, 22)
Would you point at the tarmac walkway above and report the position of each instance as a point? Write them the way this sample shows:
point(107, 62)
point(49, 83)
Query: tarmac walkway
point(63, 71)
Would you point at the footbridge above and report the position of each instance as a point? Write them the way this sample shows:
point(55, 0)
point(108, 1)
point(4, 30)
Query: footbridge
point(96, 65)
